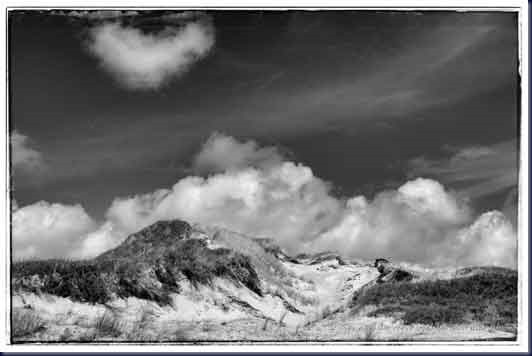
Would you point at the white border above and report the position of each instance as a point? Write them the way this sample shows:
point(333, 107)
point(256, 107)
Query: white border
point(522, 344)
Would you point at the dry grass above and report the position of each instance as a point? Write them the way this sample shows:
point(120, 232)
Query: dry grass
point(281, 320)
point(265, 325)
point(179, 334)
point(108, 324)
point(25, 322)
point(326, 312)
point(368, 333)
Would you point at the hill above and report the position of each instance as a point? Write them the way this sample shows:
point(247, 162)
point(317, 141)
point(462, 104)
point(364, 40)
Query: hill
point(173, 281)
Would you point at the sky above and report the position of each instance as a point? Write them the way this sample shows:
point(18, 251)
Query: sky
point(359, 131)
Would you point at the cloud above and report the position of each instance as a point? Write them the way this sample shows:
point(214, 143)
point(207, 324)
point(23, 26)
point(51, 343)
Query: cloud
point(106, 237)
point(439, 64)
point(287, 202)
point(406, 229)
point(478, 170)
point(139, 60)
point(44, 230)
point(419, 222)
point(491, 239)
point(223, 153)
point(25, 159)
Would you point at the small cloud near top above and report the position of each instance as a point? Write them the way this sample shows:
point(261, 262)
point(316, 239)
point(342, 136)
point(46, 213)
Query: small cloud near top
point(146, 61)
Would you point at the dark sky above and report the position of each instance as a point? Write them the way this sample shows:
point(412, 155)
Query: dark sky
point(361, 97)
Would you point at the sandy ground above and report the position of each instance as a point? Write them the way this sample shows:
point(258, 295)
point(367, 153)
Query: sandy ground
point(79, 322)
point(225, 311)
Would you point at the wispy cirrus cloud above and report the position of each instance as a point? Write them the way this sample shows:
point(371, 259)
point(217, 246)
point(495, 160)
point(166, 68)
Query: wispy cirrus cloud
point(443, 65)
point(476, 171)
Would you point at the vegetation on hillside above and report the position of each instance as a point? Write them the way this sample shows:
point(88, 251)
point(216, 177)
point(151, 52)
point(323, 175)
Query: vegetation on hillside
point(489, 297)
point(148, 265)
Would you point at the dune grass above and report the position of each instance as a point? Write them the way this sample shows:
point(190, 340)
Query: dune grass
point(25, 323)
point(150, 277)
point(490, 298)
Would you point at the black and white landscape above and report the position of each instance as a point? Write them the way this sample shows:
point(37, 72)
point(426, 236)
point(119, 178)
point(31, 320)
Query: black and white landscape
point(236, 175)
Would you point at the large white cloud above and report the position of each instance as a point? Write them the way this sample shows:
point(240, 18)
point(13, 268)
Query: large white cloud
point(44, 230)
point(491, 239)
point(404, 229)
point(286, 202)
point(419, 222)
point(141, 60)
point(24, 158)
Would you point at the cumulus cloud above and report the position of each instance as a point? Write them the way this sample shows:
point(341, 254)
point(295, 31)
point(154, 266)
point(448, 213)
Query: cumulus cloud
point(24, 158)
point(106, 237)
point(491, 239)
point(419, 222)
point(394, 226)
point(258, 193)
point(224, 153)
point(44, 230)
point(287, 202)
point(139, 60)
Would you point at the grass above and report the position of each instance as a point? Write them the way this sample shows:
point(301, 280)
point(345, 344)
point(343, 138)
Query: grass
point(326, 312)
point(147, 266)
point(261, 253)
point(25, 323)
point(108, 325)
point(367, 333)
point(490, 298)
